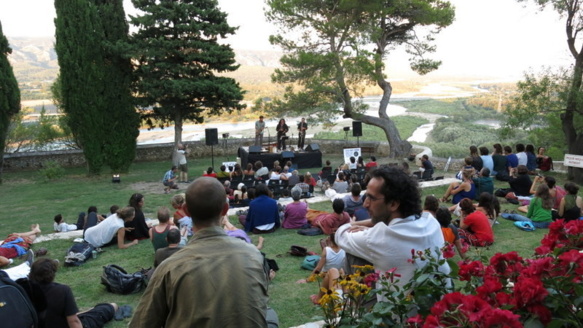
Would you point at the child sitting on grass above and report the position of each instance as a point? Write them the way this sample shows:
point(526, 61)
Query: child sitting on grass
point(159, 232)
point(450, 231)
point(61, 226)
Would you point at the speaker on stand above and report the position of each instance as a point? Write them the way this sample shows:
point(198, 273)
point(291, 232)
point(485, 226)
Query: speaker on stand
point(211, 138)
point(357, 131)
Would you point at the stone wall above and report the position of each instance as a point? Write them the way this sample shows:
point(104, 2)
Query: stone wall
point(228, 147)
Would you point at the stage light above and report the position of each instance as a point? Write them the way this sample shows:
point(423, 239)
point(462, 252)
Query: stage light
point(346, 128)
point(225, 135)
point(115, 178)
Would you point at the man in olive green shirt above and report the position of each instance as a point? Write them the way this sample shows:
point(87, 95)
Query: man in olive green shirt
point(214, 281)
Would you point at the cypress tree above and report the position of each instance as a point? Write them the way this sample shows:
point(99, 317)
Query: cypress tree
point(122, 119)
point(177, 57)
point(9, 95)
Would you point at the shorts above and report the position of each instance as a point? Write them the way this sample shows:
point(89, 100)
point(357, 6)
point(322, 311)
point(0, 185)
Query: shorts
point(169, 183)
point(183, 168)
point(98, 316)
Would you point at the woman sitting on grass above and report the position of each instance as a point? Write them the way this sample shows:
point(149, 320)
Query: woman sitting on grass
point(475, 228)
point(571, 206)
point(139, 229)
point(465, 189)
point(331, 266)
point(489, 205)
point(112, 230)
point(539, 210)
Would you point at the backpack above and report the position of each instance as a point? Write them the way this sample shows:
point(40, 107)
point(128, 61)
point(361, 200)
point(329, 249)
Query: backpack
point(17, 310)
point(310, 262)
point(118, 281)
point(78, 254)
point(314, 231)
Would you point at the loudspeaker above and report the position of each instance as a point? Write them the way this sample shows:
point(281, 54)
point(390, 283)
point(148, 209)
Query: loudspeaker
point(211, 136)
point(356, 128)
point(254, 149)
point(313, 147)
point(287, 154)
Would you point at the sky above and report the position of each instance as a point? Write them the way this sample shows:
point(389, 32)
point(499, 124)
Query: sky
point(500, 38)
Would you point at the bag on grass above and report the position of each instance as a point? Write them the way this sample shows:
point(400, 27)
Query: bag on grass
point(298, 250)
point(118, 281)
point(78, 254)
point(310, 231)
point(525, 225)
point(501, 192)
point(310, 262)
point(16, 308)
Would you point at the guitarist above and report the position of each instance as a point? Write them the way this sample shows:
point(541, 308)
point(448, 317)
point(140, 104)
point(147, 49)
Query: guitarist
point(259, 127)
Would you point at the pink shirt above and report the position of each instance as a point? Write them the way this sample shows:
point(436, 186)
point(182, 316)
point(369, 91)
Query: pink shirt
point(295, 215)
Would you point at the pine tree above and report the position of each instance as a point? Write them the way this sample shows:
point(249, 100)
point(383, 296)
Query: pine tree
point(9, 95)
point(178, 55)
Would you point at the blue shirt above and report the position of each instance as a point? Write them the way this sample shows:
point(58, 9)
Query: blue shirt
point(169, 175)
point(262, 210)
point(511, 160)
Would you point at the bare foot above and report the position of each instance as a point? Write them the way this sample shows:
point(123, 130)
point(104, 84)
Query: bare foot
point(35, 228)
point(271, 274)
point(315, 299)
point(261, 239)
point(301, 281)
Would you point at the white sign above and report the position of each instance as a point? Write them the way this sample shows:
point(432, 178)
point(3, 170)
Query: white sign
point(351, 152)
point(573, 160)
point(229, 166)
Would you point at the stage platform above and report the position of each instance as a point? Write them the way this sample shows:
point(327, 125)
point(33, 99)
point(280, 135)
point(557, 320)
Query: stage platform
point(302, 160)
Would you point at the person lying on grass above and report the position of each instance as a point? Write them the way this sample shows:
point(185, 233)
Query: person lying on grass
point(17, 244)
point(111, 230)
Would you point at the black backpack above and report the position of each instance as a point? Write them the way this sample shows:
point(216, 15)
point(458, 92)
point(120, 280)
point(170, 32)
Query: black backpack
point(17, 310)
point(78, 254)
point(118, 281)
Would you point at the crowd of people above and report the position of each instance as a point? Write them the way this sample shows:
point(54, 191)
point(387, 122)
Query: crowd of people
point(372, 204)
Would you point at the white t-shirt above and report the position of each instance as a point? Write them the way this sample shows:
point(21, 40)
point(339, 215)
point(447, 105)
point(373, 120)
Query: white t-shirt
point(522, 158)
point(104, 232)
point(64, 227)
point(389, 246)
point(333, 259)
point(181, 156)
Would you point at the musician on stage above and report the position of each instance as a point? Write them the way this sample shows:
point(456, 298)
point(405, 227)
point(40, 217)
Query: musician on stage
point(282, 129)
point(259, 127)
point(302, 127)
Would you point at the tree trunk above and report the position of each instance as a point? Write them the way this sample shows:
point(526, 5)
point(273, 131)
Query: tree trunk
point(177, 127)
point(574, 140)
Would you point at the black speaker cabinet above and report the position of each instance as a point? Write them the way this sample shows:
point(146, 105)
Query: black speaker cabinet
point(356, 128)
point(287, 154)
point(211, 136)
point(254, 149)
point(313, 147)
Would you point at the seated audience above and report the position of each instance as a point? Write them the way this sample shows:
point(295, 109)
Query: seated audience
point(294, 216)
point(263, 215)
point(371, 164)
point(450, 231)
point(477, 162)
point(511, 160)
point(430, 205)
point(340, 185)
point(275, 174)
point(331, 265)
point(489, 205)
point(260, 170)
point(304, 187)
point(138, 228)
point(530, 159)
point(544, 162)
point(467, 167)
point(539, 210)
point(223, 174)
point(310, 181)
point(159, 232)
point(249, 170)
point(426, 168)
point(112, 230)
point(500, 165)
point(293, 179)
point(571, 206)
point(61, 226)
point(209, 173)
point(17, 244)
point(91, 219)
point(352, 163)
point(237, 172)
point(521, 154)
point(483, 182)
point(329, 222)
point(353, 201)
point(61, 308)
point(461, 190)
point(173, 239)
point(520, 181)
point(486, 158)
point(475, 228)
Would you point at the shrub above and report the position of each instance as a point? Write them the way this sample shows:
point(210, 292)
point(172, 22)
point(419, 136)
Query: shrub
point(51, 171)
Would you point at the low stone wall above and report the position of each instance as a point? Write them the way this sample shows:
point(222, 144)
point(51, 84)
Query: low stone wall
point(228, 147)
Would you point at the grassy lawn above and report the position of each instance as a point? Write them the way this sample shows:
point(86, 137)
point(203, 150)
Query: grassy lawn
point(25, 199)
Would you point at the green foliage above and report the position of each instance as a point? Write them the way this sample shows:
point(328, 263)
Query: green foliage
point(178, 55)
point(93, 87)
point(9, 95)
point(51, 171)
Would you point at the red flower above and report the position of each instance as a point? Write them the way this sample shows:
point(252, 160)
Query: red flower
point(538, 268)
point(528, 291)
point(448, 251)
point(473, 307)
point(432, 322)
point(470, 269)
point(415, 321)
point(502, 318)
point(489, 288)
point(371, 279)
point(542, 312)
point(507, 265)
point(542, 250)
point(503, 299)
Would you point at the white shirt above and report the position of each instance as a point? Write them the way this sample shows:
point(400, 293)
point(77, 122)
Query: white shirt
point(181, 156)
point(522, 158)
point(64, 227)
point(389, 246)
point(104, 232)
point(333, 259)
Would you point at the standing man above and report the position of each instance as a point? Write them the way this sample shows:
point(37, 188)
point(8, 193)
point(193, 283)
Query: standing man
point(182, 165)
point(259, 127)
point(302, 127)
point(397, 226)
point(214, 281)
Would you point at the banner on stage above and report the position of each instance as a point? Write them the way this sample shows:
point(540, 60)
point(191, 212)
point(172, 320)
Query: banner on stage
point(230, 166)
point(351, 152)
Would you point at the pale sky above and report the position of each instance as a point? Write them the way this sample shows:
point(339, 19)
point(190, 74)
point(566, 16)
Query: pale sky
point(498, 37)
